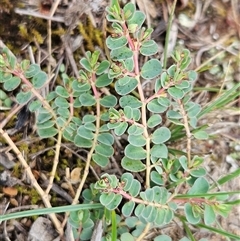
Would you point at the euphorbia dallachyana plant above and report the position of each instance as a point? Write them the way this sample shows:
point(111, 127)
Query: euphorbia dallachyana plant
point(175, 187)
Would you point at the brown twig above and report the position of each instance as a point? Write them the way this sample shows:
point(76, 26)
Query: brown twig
point(188, 132)
point(34, 182)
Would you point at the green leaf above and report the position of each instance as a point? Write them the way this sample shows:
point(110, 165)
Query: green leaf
point(33, 70)
point(51, 96)
point(164, 80)
point(151, 69)
point(82, 142)
point(172, 114)
point(191, 218)
point(194, 110)
point(154, 120)
point(7, 103)
point(136, 20)
point(108, 101)
point(147, 33)
point(90, 126)
point(86, 64)
point(77, 103)
point(87, 99)
point(209, 215)
point(175, 92)
point(11, 58)
point(138, 210)
point(12, 83)
point(5, 76)
point(113, 125)
point(183, 85)
point(94, 57)
point(134, 152)
point(127, 88)
point(103, 66)
point(129, 10)
point(47, 132)
point(3, 95)
point(161, 135)
point(127, 179)
point(136, 114)
point(155, 107)
point(172, 70)
point(43, 117)
point(61, 91)
point(89, 118)
point(71, 128)
point(164, 101)
point(147, 212)
point(149, 194)
point(192, 75)
point(159, 151)
point(102, 161)
point(69, 134)
point(23, 97)
point(126, 236)
point(185, 63)
point(85, 133)
point(2, 61)
point(184, 162)
point(131, 222)
point(151, 218)
point(128, 64)
point(201, 185)
point(135, 130)
point(149, 48)
point(107, 198)
point(201, 135)
point(80, 87)
point(61, 102)
point(103, 80)
point(115, 43)
point(39, 80)
point(137, 140)
point(35, 105)
point(135, 188)
point(121, 128)
point(115, 7)
point(124, 80)
point(132, 165)
point(128, 208)
point(169, 216)
point(63, 112)
point(156, 178)
point(104, 150)
point(121, 53)
point(129, 100)
point(86, 233)
point(46, 125)
point(128, 112)
point(104, 128)
point(199, 172)
point(106, 138)
point(162, 237)
point(159, 221)
point(115, 202)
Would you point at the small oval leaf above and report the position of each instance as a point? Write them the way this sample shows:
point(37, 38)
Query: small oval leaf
point(132, 165)
point(151, 69)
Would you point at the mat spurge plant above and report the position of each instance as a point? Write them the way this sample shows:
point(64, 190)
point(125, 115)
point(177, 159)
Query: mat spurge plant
point(175, 186)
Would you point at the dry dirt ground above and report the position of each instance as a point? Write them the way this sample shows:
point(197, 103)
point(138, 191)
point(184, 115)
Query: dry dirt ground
point(210, 29)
